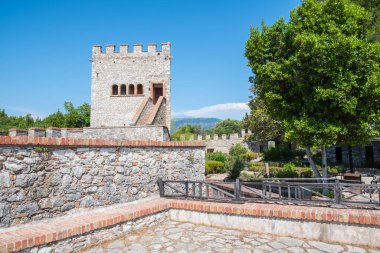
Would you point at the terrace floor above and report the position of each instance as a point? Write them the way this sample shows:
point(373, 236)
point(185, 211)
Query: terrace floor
point(181, 237)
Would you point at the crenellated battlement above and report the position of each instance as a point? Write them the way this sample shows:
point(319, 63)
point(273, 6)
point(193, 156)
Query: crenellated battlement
point(215, 137)
point(124, 49)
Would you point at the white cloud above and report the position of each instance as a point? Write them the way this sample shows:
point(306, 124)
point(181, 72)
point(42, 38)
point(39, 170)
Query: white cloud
point(221, 111)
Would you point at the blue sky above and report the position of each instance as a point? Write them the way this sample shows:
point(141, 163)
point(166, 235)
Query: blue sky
point(45, 48)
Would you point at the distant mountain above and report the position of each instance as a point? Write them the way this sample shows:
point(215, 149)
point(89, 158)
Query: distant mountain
point(205, 123)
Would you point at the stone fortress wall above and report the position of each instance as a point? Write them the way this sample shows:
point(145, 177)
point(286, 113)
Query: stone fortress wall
point(153, 133)
point(133, 75)
point(46, 177)
point(224, 142)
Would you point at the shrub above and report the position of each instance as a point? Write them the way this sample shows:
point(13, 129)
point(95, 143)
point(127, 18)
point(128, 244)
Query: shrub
point(275, 164)
point(238, 149)
point(248, 156)
point(332, 171)
point(335, 169)
point(256, 166)
point(289, 171)
point(282, 154)
point(234, 166)
point(217, 156)
point(214, 167)
point(305, 173)
point(247, 175)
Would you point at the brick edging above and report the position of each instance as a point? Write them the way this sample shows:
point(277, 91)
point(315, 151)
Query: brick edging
point(45, 141)
point(303, 213)
point(32, 235)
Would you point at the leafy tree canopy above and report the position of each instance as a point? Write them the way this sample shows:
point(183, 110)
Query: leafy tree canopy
point(227, 126)
point(318, 73)
point(262, 126)
point(74, 117)
point(186, 130)
point(373, 7)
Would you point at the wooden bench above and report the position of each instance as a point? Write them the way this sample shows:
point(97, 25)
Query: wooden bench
point(351, 177)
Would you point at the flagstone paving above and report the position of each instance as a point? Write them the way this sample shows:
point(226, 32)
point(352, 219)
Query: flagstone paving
point(180, 237)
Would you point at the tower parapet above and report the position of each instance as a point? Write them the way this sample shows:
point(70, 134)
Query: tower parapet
point(124, 50)
point(129, 82)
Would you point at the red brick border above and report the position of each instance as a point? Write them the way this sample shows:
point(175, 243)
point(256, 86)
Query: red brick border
point(44, 141)
point(30, 235)
point(306, 213)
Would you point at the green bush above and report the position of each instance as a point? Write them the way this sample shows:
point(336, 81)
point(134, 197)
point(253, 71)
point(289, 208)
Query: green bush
point(234, 166)
point(335, 169)
point(247, 175)
point(256, 168)
point(248, 156)
point(282, 154)
point(305, 173)
point(276, 164)
point(214, 167)
point(289, 171)
point(332, 171)
point(237, 150)
point(217, 156)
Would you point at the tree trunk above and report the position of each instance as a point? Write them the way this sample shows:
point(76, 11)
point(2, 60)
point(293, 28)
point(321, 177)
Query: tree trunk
point(350, 163)
point(312, 163)
point(324, 162)
point(324, 170)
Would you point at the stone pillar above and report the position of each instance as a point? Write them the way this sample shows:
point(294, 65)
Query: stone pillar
point(53, 132)
point(191, 137)
point(36, 132)
point(18, 132)
point(216, 137)
point(200, 137)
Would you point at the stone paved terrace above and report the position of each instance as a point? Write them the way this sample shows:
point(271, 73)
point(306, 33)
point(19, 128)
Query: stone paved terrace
point(172, 236)
point(39, 233)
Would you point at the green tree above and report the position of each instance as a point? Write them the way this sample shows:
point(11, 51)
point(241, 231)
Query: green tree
point(237, 150)
point(56, 119)
point(227, 126)
point(262, 126)
point(319, 75)
point(373, 7)
point(186, 131)
point(84, 112)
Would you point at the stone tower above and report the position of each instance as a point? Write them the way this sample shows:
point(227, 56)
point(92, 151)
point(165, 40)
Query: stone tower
point(130, 87)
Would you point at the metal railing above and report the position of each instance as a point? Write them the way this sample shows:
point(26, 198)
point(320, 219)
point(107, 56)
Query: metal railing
point(328, 191)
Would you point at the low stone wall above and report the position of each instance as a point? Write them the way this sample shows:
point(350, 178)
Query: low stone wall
point(155, 133)
point(99, 236)
point(149, 132)
point(47, 177)
point(62, 234)
point(326, 232)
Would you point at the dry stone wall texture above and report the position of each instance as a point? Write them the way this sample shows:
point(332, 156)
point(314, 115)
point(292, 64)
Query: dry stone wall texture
point(40, 182)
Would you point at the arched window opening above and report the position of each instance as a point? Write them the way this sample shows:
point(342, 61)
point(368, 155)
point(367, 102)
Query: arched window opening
point(140, 89)
point(115, 91)
point(123, 90)
point(131, 89)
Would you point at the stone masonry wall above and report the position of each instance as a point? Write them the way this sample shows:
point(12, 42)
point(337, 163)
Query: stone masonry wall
point(45, 181)
point(358, 155)
point(224, 142)
point(124, 68)
point(153, 133)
